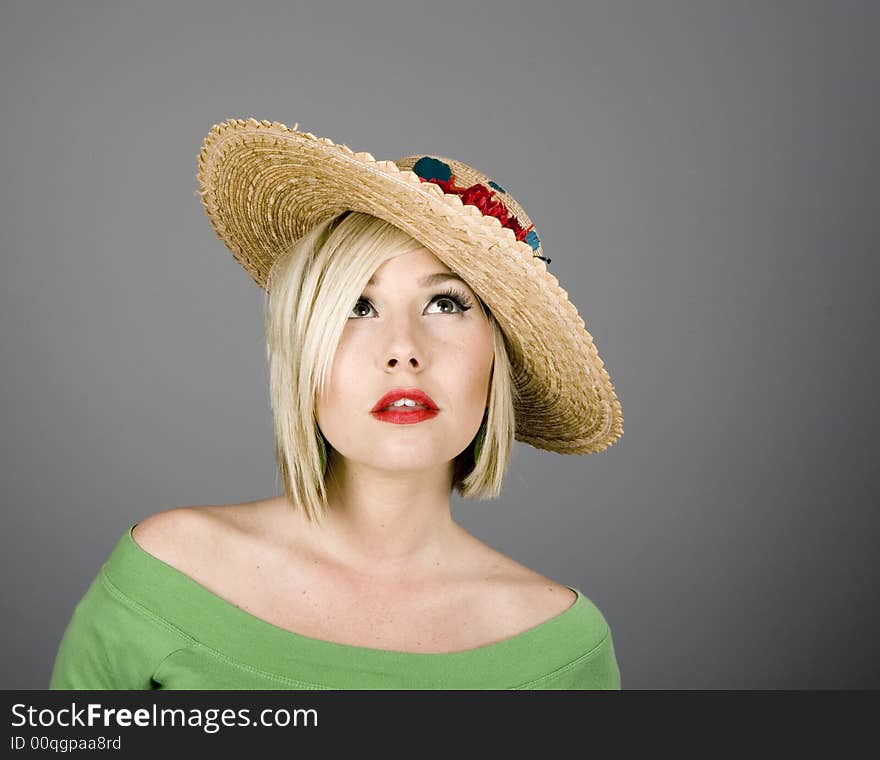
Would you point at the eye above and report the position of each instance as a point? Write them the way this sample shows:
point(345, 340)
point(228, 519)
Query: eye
point(455, 296)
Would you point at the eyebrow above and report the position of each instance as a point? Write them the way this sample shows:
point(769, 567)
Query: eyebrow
point(430, 279)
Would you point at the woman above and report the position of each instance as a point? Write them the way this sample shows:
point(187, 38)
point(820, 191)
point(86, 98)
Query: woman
point(413, 332)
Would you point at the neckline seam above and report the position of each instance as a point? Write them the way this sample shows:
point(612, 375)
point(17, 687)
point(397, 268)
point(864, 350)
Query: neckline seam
point(275, 676)
point(563, 669)
point(123, 598)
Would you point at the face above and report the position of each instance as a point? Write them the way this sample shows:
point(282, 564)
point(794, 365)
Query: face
point(403, 333)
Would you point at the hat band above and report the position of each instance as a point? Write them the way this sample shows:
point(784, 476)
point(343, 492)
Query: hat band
point(430, 169)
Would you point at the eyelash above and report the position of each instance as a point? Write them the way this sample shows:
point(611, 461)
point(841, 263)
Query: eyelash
point(459, 298)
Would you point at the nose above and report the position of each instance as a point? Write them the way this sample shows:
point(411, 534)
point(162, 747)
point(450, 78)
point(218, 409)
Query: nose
point(402, 346)
point(413, 362)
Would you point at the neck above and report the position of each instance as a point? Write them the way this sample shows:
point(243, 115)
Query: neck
point(387, 522)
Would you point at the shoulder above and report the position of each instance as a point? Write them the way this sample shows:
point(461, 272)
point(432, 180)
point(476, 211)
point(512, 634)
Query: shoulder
point(189, 537)
point(165, 534)
point(532, 601)
point(518, 592)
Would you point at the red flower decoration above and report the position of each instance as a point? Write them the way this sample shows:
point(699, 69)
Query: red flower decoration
point(481, 196)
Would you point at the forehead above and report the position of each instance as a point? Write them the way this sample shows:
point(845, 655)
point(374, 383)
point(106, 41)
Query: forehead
point(414, 266)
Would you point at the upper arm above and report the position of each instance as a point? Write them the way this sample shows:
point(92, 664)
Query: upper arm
point(112, 642)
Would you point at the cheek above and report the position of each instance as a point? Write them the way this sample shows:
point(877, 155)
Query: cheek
point(347, 375)
point(469, 365)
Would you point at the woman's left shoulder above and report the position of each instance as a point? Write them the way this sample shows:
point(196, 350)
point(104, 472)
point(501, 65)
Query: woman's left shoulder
point(541, 598)
point(521, 592)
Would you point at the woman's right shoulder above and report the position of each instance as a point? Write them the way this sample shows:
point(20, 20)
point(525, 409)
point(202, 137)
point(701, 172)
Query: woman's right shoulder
point(191, 538)
point(177, 536)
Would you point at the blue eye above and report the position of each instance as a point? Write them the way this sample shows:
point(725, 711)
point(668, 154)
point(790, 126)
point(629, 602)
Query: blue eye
point(456, 296)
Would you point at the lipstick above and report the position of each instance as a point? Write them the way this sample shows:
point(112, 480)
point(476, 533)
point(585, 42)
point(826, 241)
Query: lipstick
point(405, 415)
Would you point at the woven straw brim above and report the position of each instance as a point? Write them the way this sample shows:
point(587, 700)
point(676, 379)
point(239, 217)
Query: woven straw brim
point(264, 185)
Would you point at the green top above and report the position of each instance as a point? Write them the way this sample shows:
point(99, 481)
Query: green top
point(143, 624)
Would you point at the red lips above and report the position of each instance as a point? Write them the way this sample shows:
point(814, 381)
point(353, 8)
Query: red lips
point(420, 397)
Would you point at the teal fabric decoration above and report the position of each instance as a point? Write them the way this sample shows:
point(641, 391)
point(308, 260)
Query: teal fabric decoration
point(532, 240)
point(432, 168)
point(497, 186)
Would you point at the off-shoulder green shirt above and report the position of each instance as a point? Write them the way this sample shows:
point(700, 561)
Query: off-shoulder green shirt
point(143, 624)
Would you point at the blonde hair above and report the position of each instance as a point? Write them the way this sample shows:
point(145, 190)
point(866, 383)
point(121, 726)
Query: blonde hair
point(310, 292)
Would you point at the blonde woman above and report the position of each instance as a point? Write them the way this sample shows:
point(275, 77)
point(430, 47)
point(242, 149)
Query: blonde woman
point(393, 383)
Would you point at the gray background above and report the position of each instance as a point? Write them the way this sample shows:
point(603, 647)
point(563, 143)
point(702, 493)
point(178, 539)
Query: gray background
point(703, 176)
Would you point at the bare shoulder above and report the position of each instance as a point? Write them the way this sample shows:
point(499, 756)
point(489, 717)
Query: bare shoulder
point(189, 537)
point(521, 593)
point(533, 598)
point(169, 535)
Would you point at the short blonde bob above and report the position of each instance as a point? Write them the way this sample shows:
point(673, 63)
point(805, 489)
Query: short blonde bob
point(310, 292)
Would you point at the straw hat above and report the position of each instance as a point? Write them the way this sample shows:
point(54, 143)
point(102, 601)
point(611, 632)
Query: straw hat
point(264, 185)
